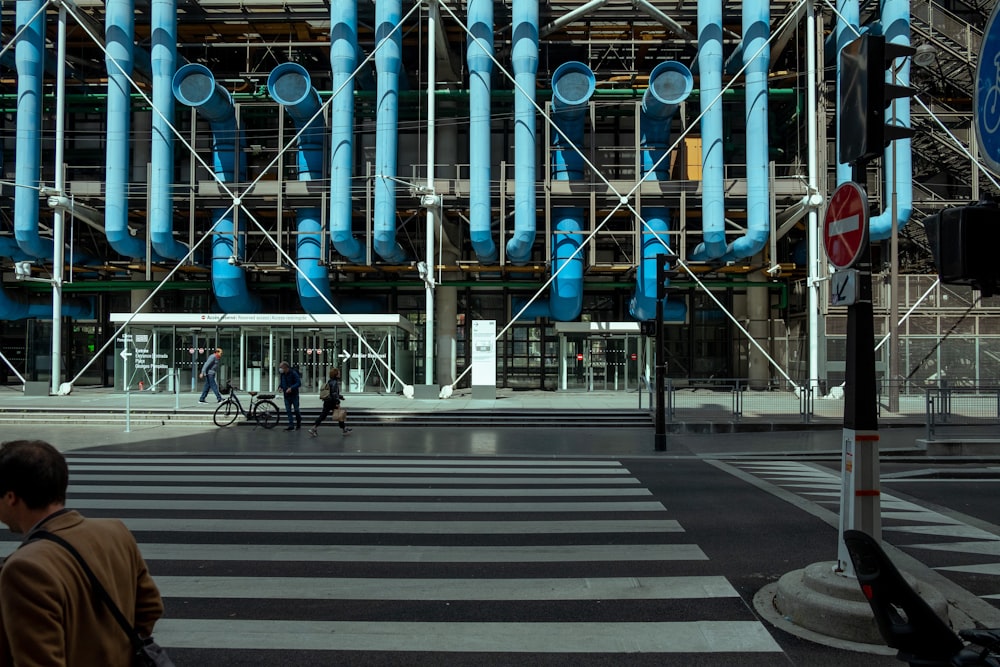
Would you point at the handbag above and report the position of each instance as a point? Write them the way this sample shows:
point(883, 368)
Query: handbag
point(340, 415)
point(145, 651)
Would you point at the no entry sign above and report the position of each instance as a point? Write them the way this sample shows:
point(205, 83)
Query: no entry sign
point(845, 227)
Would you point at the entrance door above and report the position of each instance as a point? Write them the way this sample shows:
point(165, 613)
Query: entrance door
point(601, 363)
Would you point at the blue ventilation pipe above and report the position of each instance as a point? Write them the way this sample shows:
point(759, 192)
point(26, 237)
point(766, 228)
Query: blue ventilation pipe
point(163, 62)
point(524, 60)
point(848, 18)
point(573, 85)
point(29, 51)
point(119, 28)
point(290, 85)
point(388, 59)
point(194, 86)
point(898, 161)
point(713, 210)
point(19, 308)
point(670, 83)
point(343, 60)
point(480, 60)
point(756, 31)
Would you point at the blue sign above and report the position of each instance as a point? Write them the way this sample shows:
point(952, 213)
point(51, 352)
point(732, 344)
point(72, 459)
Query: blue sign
point(987, 107)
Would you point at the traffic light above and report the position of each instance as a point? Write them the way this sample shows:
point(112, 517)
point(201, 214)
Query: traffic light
point(866, 94)
point(663, 274)
point(963, 241)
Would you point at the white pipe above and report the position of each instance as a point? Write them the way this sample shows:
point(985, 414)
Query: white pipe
point(58, 255)
point(812, 240)
point(429, 339)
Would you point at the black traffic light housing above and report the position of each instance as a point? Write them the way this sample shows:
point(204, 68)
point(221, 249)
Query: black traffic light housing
point(663, 274)
point(964, 241)
point(865, 95)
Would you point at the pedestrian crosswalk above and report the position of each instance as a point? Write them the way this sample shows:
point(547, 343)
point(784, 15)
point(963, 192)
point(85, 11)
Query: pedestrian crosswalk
point(296, 560)
point(943, 541)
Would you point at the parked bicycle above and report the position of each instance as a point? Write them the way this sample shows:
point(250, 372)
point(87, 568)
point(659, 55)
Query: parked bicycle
point(262, 409)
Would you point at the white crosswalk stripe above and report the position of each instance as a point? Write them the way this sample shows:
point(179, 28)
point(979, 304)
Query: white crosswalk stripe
point(390, 555)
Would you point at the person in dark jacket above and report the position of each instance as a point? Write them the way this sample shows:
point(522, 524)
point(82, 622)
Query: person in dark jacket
point(289, 384)
point(331, 403)
point(208, 372)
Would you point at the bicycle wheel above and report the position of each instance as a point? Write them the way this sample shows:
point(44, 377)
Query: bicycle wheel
point(226, 413)
point(267, 414)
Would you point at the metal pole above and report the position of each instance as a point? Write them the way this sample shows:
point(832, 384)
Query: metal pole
point(58, 257)
point(813, 226)
point(429, 338)
point(894, 286)
point(660, 437)
point(860, 506)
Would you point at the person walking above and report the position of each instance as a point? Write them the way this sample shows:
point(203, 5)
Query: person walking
point(289, 385)
point(48, 611)
point(208, 371)
point(332, 404)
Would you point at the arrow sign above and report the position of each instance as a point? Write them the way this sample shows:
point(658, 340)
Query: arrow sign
point(345, 355)
point(124, 354)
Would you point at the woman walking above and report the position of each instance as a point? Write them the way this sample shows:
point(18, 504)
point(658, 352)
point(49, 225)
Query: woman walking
point(331, 404)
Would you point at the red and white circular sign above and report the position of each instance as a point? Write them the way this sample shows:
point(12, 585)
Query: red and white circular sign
point(845, 226)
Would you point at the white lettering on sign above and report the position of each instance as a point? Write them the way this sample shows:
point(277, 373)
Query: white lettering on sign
point(844, 225)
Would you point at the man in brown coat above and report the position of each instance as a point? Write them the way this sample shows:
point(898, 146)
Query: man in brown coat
point(48, 613)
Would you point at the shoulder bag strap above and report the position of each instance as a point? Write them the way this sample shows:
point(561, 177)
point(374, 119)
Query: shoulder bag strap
point(101, 592)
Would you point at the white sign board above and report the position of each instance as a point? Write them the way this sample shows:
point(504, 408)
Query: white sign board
point(484, 353)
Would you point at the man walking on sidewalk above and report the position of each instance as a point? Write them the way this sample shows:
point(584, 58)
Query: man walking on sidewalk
point(208, 372)
point(289, 385)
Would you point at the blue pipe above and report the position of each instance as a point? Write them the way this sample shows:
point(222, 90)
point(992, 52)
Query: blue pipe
point(573, 84)
point(480, 60)
point(9, 248)
point(898, 161)
point(343, 60)
point(713, 207)
point(524, 60)
point(20, 308)
point(28, 55)
point(756, 30)
point(194, 86)
point(388, 58)
point(119, 28)
point(290, 85)
point(848, 18)
point(163, 62)
point(670, 83)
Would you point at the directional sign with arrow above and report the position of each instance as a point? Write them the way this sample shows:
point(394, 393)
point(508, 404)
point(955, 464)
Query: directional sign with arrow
point(345, 355)
point(844, 287)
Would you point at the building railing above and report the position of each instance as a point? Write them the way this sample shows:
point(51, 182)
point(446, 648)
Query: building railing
point(942, 408)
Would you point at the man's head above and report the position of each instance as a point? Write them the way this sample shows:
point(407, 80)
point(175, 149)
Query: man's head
point(33, 479)
point(218, 351)
point(283, 367)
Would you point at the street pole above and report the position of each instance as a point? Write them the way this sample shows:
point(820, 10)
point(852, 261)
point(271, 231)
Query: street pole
point(429, 337)
point(660, 435)
point(860, 492)
point(58, 242)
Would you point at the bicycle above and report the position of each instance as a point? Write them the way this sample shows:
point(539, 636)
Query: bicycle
point(262, 409)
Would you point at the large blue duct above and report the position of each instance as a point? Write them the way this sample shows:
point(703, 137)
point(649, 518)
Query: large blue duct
point(524, 60)
point(388, 60)
point(18, 308)
point(573, 85)
point(480, 60)
point(119, 29)
point(194, 86)
point(848, 17)
point(756, 58)
point(290, 85)
point(898, 161)
point(713, 210)
point(163, 62)
point(670, 83)
point(29, 51)
point(343, 61)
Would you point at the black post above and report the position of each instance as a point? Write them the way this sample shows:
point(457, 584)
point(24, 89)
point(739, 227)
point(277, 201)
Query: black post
point(660, 438)
point(662, 268)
